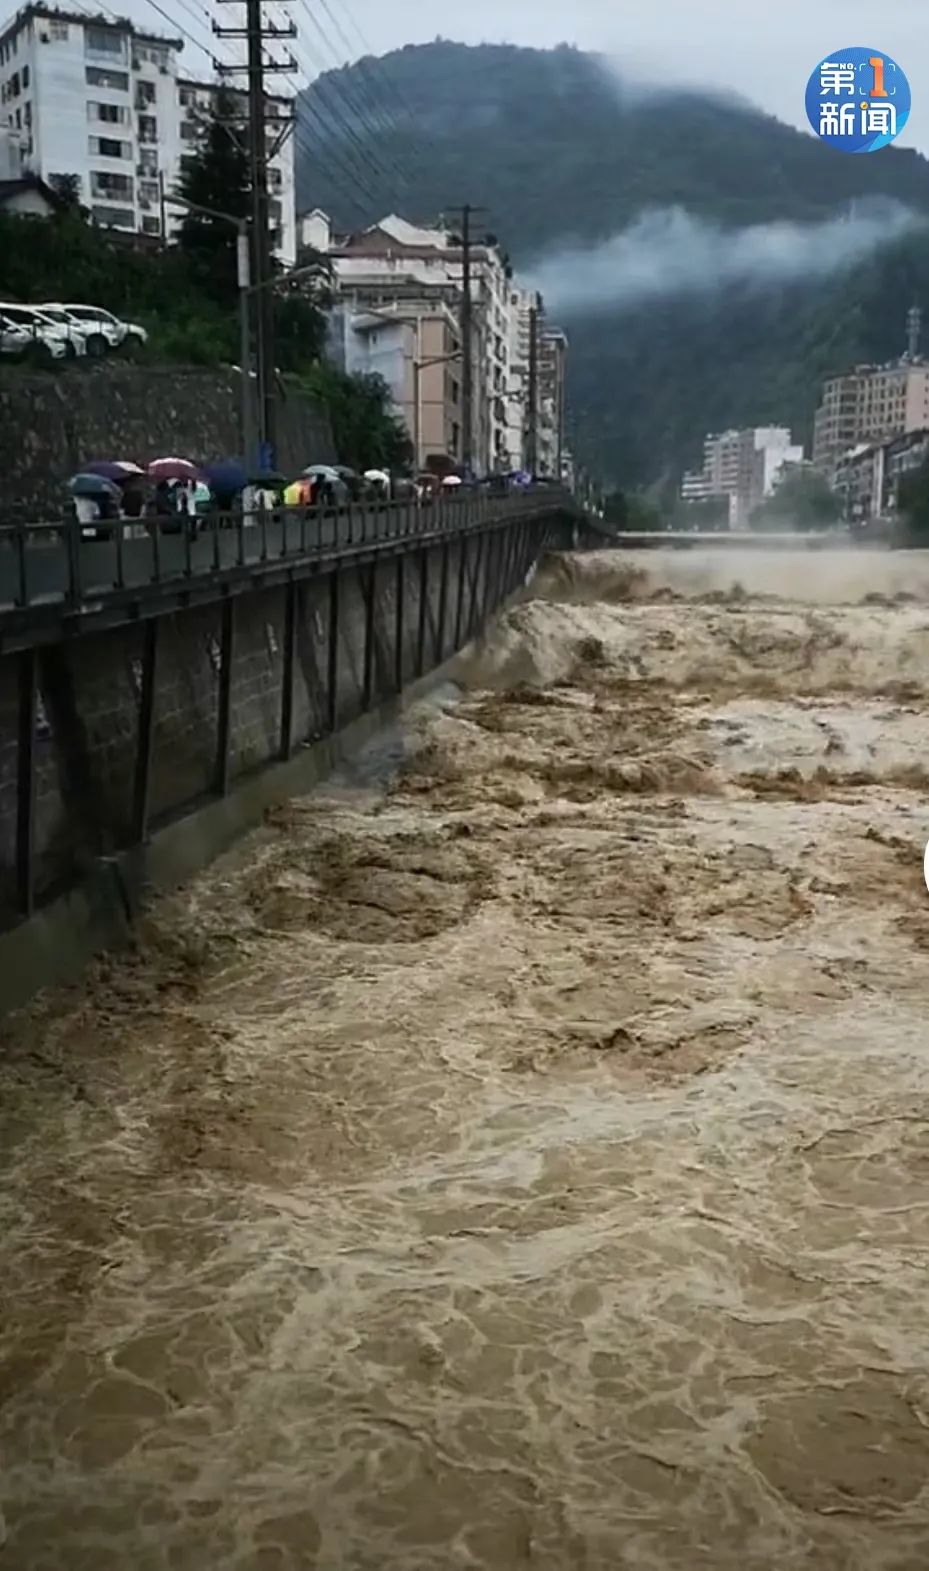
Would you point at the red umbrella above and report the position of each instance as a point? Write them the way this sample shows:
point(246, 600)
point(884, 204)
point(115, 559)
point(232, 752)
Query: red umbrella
point(173, 469)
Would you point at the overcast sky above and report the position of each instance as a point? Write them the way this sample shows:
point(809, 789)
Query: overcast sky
point(763, 49)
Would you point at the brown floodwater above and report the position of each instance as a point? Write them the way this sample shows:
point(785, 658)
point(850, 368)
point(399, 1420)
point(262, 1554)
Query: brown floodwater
point(522, 1160)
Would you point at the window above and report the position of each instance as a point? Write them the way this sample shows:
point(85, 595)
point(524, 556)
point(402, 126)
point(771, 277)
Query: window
point(108, 147)
point(117, 187)
point(110, 114)
point(148, 162)
point(27, 115)
point(25, 76)
point(149, 190)
point(116, 81)
point(187, 97)
point(144, 94)
point(191, 131)
point(275, 179)
point(148, 128)
point(105, 41)
point(59, 32)
point(113, 217)
point(14, 85)
point(151, 226)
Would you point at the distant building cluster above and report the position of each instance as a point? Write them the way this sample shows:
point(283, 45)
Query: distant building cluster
point(872, 427)
point(398, 294)
point(740, 469)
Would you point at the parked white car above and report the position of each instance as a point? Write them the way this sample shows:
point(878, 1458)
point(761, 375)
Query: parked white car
point(114, 329)
point(82, 335)
point(36, 333)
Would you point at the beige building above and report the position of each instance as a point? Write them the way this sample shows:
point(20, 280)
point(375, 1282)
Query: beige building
point(869, 405)
point(415, 271)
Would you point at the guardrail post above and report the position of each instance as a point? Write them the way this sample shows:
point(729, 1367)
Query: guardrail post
point(21, 554)
point(224, 711)
point(25, 784)
point(473, 619)
point(443, 600)
point(141, 795)
point(74, 558)
point(398, 625)
point(423, 607)
point(287, 688)
point(462, 571)
point(332, 674)
point(368, 596)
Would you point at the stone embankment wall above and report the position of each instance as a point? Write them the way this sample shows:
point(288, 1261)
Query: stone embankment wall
point(52, 423)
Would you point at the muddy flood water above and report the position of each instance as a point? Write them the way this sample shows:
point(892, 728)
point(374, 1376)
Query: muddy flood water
point(522, 1160)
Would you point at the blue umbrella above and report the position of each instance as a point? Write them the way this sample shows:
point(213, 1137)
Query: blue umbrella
point(92, 485)
point(226, 477)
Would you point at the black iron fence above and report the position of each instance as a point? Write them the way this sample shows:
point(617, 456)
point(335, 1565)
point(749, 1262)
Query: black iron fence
point(67, 561)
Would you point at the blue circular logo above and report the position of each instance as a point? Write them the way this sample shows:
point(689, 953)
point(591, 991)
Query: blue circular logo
point(858, 100)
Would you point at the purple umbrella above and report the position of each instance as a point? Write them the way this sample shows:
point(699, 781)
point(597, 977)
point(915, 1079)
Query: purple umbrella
point(113, 469)
point(173, 469)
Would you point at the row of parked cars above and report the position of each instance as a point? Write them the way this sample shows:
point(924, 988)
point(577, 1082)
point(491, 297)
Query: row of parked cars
point(61, 331)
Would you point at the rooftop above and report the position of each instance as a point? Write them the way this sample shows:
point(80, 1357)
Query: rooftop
point(119, 24)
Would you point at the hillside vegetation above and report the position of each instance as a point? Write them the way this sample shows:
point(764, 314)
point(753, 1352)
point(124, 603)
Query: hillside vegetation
point(558, 151)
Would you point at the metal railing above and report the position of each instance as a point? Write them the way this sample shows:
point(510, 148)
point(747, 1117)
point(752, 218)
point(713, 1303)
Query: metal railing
point(67, 561)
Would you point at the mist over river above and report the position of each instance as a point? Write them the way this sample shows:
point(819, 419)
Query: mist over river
point(522, 1159)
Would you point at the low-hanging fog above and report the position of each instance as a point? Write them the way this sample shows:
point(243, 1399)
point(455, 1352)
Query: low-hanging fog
point(668, 252)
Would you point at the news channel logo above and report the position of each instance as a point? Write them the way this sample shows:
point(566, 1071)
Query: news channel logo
point(858, 100)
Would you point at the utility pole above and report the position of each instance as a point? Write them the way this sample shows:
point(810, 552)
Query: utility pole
point(467, 213)
point(532, 433)
point(262, 261)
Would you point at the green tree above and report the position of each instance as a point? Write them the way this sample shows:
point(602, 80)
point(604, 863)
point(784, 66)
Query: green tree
point(803, 500)
point(216, 177)
point(67, 188)
point(368, 435)
point(913, 503)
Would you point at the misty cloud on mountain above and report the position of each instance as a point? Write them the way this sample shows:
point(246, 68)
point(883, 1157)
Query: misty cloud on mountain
point(668, 252)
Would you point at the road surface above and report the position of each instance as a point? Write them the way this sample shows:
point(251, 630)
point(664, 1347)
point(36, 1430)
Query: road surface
point(521, 1161)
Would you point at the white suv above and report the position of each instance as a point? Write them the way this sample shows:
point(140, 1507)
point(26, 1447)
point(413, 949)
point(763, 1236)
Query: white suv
point(112, 328)
point(39, 335)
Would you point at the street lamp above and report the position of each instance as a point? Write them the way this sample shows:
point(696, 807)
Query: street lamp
point(246, 290)
point(243, 278)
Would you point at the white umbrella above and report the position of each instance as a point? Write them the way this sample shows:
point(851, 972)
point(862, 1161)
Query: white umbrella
point(326, 470)
point(378, 474)
point(452, 480)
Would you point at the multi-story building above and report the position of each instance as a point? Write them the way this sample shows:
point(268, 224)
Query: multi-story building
point(100, 99)
point(415, 271)
point(742, 466)
point(869, 405)
point(553, 353)
point(414, 348)
point(868, 477)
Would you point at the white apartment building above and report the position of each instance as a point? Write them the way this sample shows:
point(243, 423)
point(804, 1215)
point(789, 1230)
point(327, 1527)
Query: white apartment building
point(743, 466)
point(101, 99)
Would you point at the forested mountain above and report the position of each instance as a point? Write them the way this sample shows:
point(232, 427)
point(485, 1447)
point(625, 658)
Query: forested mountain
point(560, 151)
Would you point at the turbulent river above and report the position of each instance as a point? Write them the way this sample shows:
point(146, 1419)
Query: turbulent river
point(519, 1158)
